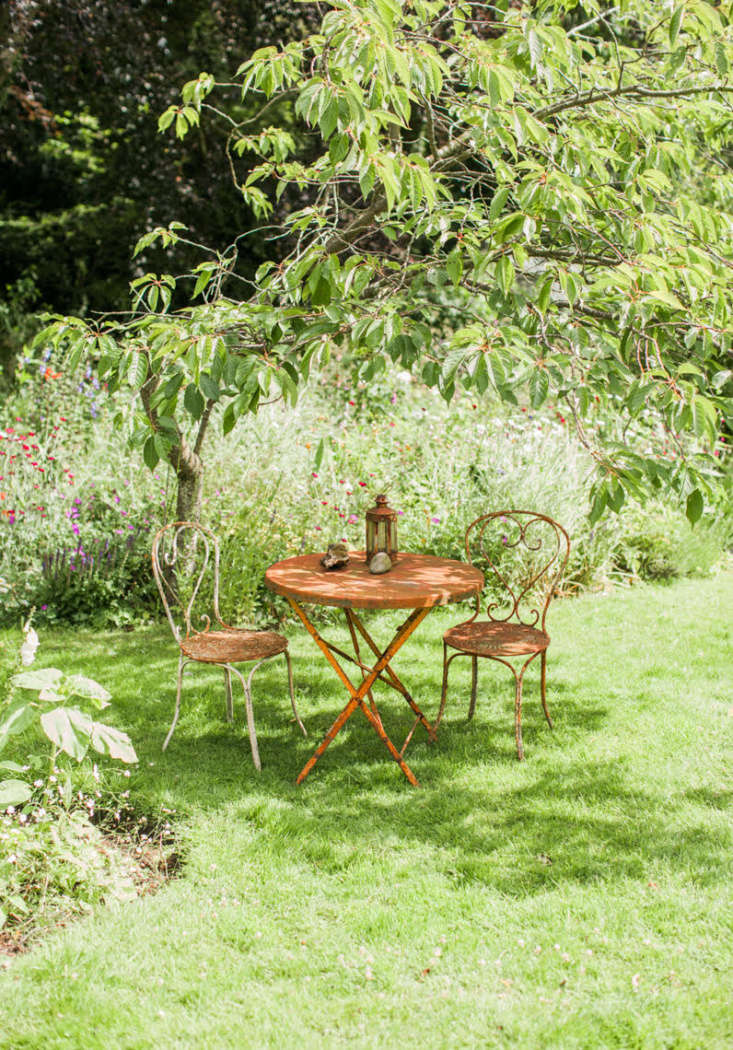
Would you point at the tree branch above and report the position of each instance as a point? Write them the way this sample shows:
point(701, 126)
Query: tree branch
point(587, 98)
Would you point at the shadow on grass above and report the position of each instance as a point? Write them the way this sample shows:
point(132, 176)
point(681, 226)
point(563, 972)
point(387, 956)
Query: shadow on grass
point(480, 817)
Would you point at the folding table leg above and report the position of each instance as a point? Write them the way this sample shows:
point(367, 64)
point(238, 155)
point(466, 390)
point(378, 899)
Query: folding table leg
point(350, 618)
point(396, 683)
point(357, 695)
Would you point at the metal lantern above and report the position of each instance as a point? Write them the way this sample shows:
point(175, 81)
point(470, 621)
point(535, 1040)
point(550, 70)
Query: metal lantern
point(381, 530)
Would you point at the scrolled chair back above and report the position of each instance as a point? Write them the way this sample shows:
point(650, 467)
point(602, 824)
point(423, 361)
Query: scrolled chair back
point(527, 553)
point(185, 558)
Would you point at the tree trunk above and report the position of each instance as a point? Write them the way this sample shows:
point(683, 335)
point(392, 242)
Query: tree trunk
point(190, 479)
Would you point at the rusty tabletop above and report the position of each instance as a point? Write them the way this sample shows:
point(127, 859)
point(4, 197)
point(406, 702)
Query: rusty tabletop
point(415, 581)
point(418, 582)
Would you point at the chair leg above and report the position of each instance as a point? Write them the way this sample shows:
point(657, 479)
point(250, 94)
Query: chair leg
point(230, 702)
point(518, 715)
point(474, 686)
point(444, 687)
point(178, 702)
point(286, 654)
point(543, 667)
point(251, 721)
point(247, 688)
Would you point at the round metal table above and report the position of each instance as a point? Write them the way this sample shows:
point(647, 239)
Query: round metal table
point(419, 582)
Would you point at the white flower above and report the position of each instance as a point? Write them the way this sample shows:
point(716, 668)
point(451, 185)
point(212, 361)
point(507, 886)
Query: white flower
point(29, 647)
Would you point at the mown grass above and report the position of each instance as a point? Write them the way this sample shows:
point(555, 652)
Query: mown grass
point(581, 899)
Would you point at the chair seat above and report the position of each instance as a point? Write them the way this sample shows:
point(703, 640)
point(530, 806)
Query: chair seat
point(218, 647)
point(484, 638)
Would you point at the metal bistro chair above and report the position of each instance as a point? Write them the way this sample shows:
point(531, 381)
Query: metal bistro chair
point(519, 631)
point(181, 554)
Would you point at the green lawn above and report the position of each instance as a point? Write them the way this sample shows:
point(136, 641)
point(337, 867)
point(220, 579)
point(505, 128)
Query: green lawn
point(581, 899)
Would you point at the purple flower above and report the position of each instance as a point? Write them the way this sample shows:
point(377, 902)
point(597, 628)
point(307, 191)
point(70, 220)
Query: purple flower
point(435, 521)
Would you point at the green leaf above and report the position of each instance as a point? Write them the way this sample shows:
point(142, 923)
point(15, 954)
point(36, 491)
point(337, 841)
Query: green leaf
point(693, 507)
point(454, 267)
point(209, 387)
point(166, 119)
point(319, 455)
point(44, 678)
point(19, 716)
point(505, 274)
point(78, 685)
point(69, 729)
point(229, 418)
point(322, 294)
point(497, 203)
point(150, 453)
point(113, 742)
point(193, 401)
point(721, 59)
point(12, 767)
point(543, 296)
point(600, 498)
point(539, 385)
point(616, 496)
point(535, 48)
point(14, 793)
point(674, 24)
point(677, 59)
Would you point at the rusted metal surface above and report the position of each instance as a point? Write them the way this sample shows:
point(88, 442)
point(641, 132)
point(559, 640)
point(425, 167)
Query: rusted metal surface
point(183, 555)
point(497, 639)
point(520, 631)
point(416, 581)
point(419, 582)
point(227, 646)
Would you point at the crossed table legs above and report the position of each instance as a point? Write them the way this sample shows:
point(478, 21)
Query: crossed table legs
point(381, 670)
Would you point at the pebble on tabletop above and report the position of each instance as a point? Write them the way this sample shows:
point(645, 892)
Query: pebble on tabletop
point(381, 562)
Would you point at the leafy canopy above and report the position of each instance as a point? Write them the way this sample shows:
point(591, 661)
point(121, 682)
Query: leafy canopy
point(528, 198)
